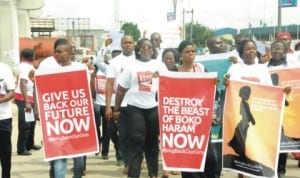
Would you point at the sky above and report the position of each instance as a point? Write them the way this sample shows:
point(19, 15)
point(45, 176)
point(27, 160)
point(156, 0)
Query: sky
point(150, 15)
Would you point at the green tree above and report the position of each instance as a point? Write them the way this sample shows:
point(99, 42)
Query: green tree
point(227, 41)
point(131, 29)
point(200, 33)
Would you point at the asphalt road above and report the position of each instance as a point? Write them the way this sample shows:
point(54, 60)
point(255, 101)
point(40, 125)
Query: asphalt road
point(34, 166)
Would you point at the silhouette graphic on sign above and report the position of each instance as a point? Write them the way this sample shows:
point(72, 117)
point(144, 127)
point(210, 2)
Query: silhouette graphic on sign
point(238, 141)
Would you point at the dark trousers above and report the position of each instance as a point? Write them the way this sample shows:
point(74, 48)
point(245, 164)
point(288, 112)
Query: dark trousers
point(5, 153)
point(109, 132)
point(98, 122)
point(30, 142)
point(282, 163)
point(217, 151)
point(143, 131)
point(209, 170)
point(123, 135)
point(25, 129)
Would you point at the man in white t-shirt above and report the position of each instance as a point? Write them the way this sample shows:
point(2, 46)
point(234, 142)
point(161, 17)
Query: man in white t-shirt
point(155, 38)
point(63, 57)
point(7, 86)
point(24, 101)
point(115, 68)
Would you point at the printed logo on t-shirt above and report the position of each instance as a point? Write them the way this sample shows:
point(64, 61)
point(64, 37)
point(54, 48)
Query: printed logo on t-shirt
point(2, 87)
point(145, 81)
point(100, 84)
point(251, 79)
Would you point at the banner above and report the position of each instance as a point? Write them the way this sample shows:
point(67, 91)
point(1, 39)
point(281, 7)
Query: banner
point(185, 115)
point(252, 128)
point(290, 140)
point(216, 63)
point(219, 63)
point(66, 113)
point(288, 3)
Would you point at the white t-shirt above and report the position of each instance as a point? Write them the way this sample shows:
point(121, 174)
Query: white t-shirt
point(48, 63)
point(115, 68)
point(7, 82)
point(293, 59)
point(142, 87)
point(23, 72)
point(256, 73)
point(100, 88)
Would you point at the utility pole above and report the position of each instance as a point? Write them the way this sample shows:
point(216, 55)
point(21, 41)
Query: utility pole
point(183, 25)
point(192, 21)
point(279, 17)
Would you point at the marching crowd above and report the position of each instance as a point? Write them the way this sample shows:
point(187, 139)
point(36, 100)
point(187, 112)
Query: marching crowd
point(126, 108)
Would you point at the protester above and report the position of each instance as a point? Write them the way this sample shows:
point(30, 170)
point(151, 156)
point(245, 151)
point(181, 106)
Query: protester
point(234, 57)
point(286, 37)
point(216, 45)
point(7, 87)
point(187, 53)
point(140, 87)
point(249, 70)
point(155, 38)
point(24, 101)
point(170, 57)
point(115, 69)
point(104, 55)
point(63, 54)
point(279, 61)
point(109, 127)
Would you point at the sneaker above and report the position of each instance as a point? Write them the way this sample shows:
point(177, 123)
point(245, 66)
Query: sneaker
point(120, 163)
point(24, 153)
point(281, 175)
point(105, 157)
point(36, 147)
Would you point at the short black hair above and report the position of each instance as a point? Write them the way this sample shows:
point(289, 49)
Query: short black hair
point(27, 54)
point(174, 51)
point(184, 44)
point(62, 41)
point(242, 46)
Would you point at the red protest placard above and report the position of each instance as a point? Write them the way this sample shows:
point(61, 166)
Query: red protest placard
point(185, 112)
point(66, 114)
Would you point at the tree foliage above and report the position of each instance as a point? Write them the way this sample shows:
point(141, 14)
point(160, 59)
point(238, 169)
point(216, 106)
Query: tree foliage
point(200, 33)
point(131, 29)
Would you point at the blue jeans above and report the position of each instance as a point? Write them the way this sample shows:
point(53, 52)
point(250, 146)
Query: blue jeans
point(60, 167)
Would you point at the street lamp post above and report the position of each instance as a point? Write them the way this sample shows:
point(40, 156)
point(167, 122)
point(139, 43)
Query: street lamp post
point(191, 35)
point(279, 17)
point(183, 25)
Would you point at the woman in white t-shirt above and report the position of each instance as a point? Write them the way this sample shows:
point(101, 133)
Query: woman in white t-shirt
point(249, 70)
point(140, 85)
point(279, 61)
